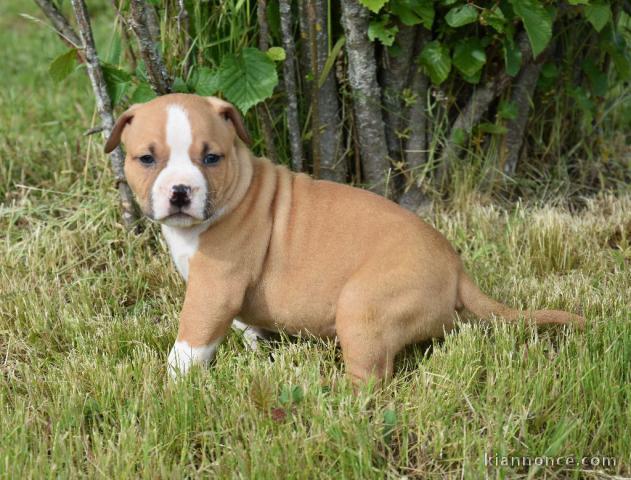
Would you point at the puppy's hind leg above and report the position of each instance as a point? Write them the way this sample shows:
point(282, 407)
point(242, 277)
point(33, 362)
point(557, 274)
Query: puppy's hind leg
point(251, 335)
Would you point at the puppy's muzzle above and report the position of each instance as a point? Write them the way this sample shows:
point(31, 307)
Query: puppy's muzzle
point(180, 196)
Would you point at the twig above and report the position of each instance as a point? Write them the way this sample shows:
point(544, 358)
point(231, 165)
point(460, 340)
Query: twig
point(59, 22)
point(362, 76)
point(289, 77)
point(156, 71)
point(315, 89)
point(103, 106)
point(262, 109)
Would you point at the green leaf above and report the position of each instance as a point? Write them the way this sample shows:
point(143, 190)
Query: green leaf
point(461, 15)
point(512, 57)
point(389, 424)
point(495, 18)
point(63, 65)
point(373, 5)
point(436, 60)
point(296, 394)
point(142, 93)
point(413, 12)
point(276, 54)
point(205, 82)
point(598, 14)
point(597, 78)
point(537, 21)
point(550, 70)
point(247, 78)
point(117, 81)
point(335, 51)
point(469, 57)
point(459, 136)
point(179, 86)
point(492, 128)
point(507, 110)
point(578, 2)
point(379, 29)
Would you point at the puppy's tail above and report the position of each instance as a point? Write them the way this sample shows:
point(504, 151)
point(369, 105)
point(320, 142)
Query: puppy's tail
point(474, 300)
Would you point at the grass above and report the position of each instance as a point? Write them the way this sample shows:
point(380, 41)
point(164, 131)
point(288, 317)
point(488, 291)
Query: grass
point(88, 312)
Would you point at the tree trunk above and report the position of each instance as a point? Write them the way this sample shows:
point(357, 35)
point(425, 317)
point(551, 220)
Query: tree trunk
point(141, 24)
point(362, 76)
point(289, 78)
point(521, 97)
point(395, 75)
point(415, 153)
point(332, 166)
point(104, 107)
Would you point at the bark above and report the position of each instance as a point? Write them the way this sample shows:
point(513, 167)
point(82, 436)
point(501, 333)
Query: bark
point(315, 90)
point(289, 78)
point(261, 110)
point(332, 165)
point(362, 75)
point(395, 76)
point(477, 105)
point(59, 22)
point(141, 22)
point(521, 97)
point(104, 107)
point(415, 152)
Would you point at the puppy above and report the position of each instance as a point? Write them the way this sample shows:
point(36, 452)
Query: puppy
point(282, 251)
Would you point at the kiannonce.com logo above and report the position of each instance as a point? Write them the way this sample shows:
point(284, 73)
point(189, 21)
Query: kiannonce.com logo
point(543, 461)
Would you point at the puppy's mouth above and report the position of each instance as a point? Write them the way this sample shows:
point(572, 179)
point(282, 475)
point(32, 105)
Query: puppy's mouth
point(180, 219)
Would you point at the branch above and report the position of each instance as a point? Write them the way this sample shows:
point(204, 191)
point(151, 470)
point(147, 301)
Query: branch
point(142, 24)
point(315, 89)
point(103, 106)
point(416, 144)
point(59, 22)
point(289, 77)
point(522, 98)
point(261, 110)
point(476, 107)
point(362, 76)
point(395, 74)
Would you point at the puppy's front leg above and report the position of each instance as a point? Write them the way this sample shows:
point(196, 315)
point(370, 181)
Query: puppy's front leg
point(209, 307)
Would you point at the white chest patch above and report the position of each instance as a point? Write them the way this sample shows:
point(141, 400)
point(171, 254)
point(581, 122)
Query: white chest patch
point(183, 243)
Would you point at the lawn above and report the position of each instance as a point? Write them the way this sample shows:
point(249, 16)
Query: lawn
point(88, 313)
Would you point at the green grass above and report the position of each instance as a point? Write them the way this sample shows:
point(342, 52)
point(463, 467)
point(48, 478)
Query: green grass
point(88, 312)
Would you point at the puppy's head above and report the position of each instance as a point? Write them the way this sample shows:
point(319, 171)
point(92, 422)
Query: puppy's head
point(181, 156)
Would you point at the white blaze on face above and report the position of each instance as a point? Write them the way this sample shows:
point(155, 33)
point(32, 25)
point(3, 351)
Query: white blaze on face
point(179, 170)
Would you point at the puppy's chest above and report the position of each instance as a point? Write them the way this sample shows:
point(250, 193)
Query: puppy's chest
point(183, 243)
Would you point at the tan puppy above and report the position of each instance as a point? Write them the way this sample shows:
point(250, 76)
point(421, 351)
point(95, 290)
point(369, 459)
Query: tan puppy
point(282, 251)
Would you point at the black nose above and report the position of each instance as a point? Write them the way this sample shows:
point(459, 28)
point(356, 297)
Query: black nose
point(180, 196)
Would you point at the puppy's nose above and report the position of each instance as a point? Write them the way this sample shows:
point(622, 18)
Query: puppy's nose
point(180, 195)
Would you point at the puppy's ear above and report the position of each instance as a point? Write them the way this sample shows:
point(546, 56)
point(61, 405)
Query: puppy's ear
point(115, 136)
point(230, 113)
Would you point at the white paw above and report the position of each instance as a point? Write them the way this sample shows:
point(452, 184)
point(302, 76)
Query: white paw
point(182, 356)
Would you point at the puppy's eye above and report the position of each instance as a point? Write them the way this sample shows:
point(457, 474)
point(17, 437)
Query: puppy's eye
point(147, 159)
point(211, 158)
